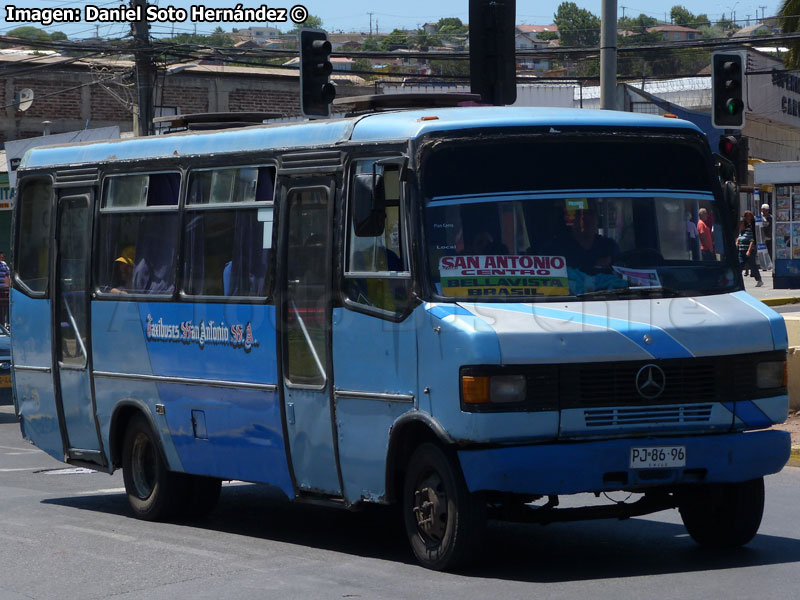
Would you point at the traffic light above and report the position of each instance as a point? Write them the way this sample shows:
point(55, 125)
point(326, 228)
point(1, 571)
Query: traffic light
point(316, 92)
point(736, 149)
point(492, 59)
point(727, 90)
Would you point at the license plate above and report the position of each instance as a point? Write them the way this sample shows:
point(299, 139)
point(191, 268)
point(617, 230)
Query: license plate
point(5, 381)
point(658, 457)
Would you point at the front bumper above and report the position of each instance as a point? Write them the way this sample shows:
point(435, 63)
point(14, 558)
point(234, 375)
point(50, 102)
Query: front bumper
point(571, 468)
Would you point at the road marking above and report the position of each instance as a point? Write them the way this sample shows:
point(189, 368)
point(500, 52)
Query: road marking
point(107, 534)
point(68, 471)
point(105, 491)
point(12, 470)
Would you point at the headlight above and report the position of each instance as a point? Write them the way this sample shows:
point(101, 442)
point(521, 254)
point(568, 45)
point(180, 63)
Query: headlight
point(507, 389)
point(494, 389)
point(771, 374)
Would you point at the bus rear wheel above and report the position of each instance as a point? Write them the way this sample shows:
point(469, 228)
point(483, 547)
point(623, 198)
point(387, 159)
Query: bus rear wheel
point(444, 522)
point(154, 492)
point(723, 515)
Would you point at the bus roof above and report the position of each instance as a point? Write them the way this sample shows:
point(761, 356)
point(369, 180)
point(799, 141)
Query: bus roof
point(377, 127)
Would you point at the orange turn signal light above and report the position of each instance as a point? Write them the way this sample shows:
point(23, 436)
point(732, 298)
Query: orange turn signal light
point(475, 390)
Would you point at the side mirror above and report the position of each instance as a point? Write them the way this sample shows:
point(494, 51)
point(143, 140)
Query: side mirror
point(369, 204)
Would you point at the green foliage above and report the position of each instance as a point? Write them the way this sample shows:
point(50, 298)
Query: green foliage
point(216, 39)
point(362, 64)
point(638, 24)
point(393, 41)
point(34, 34)
point(424, 40)
point(681, 15)
point(312, 22)
point(789, 19)
point(546, 36)
point(58, 36)
point(576, 26)
point(371, 44)
point(451, 26)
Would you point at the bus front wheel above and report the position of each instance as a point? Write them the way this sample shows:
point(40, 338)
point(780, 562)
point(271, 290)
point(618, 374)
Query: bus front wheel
point(154, 492)
point(444, 522)
point(723, 515)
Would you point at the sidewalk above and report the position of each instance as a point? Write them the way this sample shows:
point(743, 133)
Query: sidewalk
point(768, 294)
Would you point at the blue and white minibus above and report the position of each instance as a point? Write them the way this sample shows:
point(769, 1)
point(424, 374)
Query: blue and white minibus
point(467, 312)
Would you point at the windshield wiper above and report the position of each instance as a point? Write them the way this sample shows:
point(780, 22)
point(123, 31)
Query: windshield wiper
point(634, 291)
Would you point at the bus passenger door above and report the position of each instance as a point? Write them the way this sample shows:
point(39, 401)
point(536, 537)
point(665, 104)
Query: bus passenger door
point(304, 330)
point(72, 360)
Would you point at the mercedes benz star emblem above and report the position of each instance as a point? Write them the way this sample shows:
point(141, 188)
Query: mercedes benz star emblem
point(650, 381)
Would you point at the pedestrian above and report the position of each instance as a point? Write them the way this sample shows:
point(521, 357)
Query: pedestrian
point(766, 228)
point(5, 281)
point(746, 243)
point(704, 233)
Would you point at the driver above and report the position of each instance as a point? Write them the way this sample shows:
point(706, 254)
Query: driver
point(584, 248)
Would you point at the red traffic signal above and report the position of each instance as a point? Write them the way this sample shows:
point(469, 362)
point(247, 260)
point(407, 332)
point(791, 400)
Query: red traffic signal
point(729, 146)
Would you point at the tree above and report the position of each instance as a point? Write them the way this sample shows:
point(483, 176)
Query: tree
point(546, 36)
point(681, 15)
point(27, 32)
point(450, 25)
point(58, 36)
point(393, 41)
point(576, 26)
point(638, 24)
point(789, 19)
point(312, 22)
point(371, 44)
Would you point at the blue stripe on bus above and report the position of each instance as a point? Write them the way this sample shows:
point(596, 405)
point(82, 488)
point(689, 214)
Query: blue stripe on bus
point(662, 344)
point(780, 338)
point(748, 413)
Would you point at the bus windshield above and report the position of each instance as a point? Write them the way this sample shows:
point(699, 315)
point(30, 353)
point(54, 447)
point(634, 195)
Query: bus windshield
point(497, 240)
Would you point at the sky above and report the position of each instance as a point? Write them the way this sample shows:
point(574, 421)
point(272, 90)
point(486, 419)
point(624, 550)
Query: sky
point(353, 15)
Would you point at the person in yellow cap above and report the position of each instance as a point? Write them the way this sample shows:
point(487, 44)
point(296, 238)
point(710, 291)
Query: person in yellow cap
point(122, 271)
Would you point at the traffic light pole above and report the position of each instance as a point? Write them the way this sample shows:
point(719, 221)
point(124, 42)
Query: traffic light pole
point(608, 55)
point(145, 70)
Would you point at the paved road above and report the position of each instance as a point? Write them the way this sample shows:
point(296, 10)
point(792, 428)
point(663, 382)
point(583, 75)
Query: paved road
point(66, 534)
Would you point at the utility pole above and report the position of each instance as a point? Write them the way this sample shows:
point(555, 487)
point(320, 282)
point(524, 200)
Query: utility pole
point(762, 12)
point(608, 55)
point(145, 69)
point(370, 23)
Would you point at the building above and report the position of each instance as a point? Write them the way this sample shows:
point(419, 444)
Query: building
point(259, 35)
point(78, 94)
point(675, 33)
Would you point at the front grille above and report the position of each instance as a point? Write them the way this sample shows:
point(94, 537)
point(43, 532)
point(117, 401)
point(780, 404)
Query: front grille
point(600, 385)
point(687, 414)
point(689, 384)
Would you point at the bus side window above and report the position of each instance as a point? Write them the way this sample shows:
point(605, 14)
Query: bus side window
point(138, 233)
point(228, 232)
point(33, 235)
point(377, 274)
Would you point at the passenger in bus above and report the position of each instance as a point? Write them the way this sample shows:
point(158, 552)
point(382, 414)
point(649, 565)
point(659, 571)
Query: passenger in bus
point(704, 225)
point(122, 271)
point(482, 243)
point(583, 247)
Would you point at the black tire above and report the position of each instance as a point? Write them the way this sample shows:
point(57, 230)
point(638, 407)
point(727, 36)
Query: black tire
point(202, 495)
point(154, 492)
point(723, 515)
point(444, 522)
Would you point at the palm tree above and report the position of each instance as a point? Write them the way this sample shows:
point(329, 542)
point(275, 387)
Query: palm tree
point(789, 18)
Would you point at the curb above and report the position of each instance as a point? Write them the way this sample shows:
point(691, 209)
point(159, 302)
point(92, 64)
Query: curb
point(781, 301)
